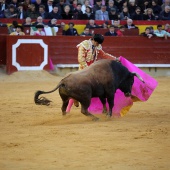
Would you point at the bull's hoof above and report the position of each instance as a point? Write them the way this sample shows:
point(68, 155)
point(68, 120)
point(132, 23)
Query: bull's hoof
point(95, 119)
point(76, 103)
point(64, 113)
point(108, 117)
point(104, 111)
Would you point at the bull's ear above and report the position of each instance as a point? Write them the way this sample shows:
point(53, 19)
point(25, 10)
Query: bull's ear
point(139, 77)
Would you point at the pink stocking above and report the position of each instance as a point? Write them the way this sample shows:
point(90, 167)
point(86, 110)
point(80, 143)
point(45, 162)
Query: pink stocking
point(71, 101)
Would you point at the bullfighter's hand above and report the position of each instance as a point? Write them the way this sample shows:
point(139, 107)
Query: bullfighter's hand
point(118, 59)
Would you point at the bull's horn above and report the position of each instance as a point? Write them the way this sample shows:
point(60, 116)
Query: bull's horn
point(139, 77)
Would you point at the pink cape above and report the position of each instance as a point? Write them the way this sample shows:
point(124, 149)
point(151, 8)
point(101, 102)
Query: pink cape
point(140, 91)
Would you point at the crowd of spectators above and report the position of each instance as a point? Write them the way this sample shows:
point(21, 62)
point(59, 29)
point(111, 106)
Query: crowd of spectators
point(86, 9)
point(39, 28)
point(91, 10)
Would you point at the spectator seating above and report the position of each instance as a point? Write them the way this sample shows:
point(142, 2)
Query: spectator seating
point(127, 32)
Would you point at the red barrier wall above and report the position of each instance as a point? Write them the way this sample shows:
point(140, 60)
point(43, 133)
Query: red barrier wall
point(27, 53)
point(3, 49)
point(62, 50)
point(139, 50)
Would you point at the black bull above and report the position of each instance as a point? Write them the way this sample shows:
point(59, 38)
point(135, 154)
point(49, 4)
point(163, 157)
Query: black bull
point(101, 79)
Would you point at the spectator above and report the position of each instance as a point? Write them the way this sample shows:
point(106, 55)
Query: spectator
point(15, 3)
point(12, 27)
point(111, 31)
point(77, 13)
point(71, 30)
point(39, 31)
point(102, 14)
point(120, 31)
point(131, 7)
point(54, 13)
point(37, 3)
point(165, 15)
point(86, 32)
point(137, 15)
point(125, 4)
point(39, 21)
point(146, 4)
point(129, 24)
point(67, 14)
point(74, 5)
point(53, 23)
point(88, 14)
point(165, 3)
point(21, 13)
point(54, 26)
point(148, 15)
point(3, 5)
point(111, 5)
point(31, 12)
point(113, 15)
point(61, 6)
point(18, 31)
point(26, 4)
point(97, 6)
point(167, 28)
point(11, 12)
point(156, 9)
point(81, 2)
point(151, 30)
point(147, 33)
point(86, 3)
point(116, 23)
point(105, 25)
point(49, 6)
point(42, 12)
point(27, 22)
point(91, 24)
point(62, 26)
point(124, 15)
point(160, 33)
point(119, 4)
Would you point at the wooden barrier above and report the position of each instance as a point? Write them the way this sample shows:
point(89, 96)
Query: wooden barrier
point(27, 52)
point(139, 50)
point(3, 49)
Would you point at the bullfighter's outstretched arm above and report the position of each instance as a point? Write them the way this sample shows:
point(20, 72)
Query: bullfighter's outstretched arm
point(107, 56)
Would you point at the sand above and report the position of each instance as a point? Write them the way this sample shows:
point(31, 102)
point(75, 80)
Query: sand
point(37, 137)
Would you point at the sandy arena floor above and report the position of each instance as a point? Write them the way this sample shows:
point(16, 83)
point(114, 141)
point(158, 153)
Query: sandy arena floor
point(38, 137)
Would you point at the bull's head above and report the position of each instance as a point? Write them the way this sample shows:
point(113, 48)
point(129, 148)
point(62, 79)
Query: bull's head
point(126, 85)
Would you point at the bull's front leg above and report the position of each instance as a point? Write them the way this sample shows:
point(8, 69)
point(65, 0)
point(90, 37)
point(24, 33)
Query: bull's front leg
point(103, 100)
point(110, 101)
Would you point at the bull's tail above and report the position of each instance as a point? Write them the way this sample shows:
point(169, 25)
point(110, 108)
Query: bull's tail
point(43, 100)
